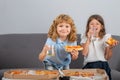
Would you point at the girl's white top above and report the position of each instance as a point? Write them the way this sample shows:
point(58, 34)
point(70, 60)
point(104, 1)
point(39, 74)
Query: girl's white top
point(96, 48)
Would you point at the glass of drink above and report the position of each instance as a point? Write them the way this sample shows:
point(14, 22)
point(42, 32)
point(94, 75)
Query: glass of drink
point(51, 52)
point(94, 34)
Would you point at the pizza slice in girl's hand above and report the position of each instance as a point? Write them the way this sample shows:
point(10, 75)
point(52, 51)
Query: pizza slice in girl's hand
point(111, 41)
point(70, 48)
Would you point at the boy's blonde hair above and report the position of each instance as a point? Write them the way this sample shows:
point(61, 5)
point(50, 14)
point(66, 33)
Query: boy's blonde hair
point(52, 33)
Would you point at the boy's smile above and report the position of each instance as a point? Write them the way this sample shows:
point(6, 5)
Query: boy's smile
point(63, 30)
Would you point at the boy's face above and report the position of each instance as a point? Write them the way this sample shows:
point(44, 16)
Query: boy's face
point(63, 29)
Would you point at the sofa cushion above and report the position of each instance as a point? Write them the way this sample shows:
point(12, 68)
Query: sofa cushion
point(115, 74)
point(21, 50)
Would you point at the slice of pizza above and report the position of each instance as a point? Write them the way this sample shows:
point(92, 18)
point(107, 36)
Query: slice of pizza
point(15, 72)
point(70, 48)
point(78, 73)
point(18, 72)
point(87, 74)
point(78, 47)
point(111, 41)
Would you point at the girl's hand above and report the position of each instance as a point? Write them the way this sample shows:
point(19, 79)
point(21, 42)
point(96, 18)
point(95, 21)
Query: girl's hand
point(92, 32)
point(114, 44)
point(108, 50)
point(89, 35)
point(74, 54)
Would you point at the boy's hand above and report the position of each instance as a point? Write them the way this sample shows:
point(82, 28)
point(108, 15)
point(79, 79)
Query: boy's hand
point(47, 47)
point(44, 52)
point(74, 54)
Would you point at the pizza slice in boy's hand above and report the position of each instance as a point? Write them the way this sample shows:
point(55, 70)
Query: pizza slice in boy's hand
point(70, 48)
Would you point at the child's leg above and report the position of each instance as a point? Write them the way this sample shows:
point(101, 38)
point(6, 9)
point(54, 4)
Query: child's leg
point(49, 66)
point(107, 69)
point(66, 67)
point(100, 65)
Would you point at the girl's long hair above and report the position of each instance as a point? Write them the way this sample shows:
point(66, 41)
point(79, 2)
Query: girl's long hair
point(99, 19)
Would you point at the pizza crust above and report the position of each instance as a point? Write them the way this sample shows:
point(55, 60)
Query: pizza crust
point(70, 48)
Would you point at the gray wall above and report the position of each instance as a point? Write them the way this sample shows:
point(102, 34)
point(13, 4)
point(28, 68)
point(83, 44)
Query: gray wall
point(36, 16)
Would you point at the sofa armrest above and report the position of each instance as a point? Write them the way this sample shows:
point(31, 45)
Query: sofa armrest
point(115, 74)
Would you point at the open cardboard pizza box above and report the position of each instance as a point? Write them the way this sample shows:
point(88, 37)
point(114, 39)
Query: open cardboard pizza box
point(87, 74)
point(24, 74)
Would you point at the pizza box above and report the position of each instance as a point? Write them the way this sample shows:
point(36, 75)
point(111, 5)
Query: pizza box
point(24, 74)
point(86, 74)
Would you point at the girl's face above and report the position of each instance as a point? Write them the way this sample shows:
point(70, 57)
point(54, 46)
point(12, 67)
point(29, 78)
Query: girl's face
point(63, 29)
point(96, 25)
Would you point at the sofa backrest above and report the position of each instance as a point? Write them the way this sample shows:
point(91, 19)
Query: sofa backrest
point(22, 50)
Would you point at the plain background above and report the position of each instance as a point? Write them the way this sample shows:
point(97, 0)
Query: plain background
point(36, 16)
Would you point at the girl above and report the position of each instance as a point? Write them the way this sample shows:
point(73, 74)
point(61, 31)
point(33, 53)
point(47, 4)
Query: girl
point(95, 49)
point(61, 33)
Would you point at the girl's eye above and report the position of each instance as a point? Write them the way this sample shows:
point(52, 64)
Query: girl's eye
point(91, 24)
point(97, 24)
point(67, 26)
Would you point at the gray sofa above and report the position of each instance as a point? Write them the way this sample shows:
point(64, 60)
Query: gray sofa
point(22, 50)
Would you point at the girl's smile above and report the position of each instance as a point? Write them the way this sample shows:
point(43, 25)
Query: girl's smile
point(95, 26)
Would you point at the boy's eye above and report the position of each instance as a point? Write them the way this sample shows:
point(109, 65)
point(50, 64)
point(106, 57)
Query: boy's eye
point(61, 26)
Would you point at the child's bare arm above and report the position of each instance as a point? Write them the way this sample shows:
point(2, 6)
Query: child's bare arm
point(85, 47)
point(108, 50)
point(43, 53)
